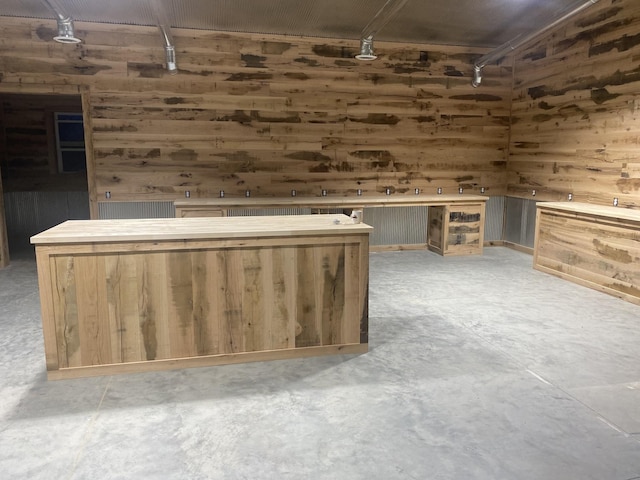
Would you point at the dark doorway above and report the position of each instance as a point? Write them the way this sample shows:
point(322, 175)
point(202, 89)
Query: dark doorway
point(44, 179)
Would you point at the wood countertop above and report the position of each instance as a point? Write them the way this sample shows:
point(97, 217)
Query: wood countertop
point(329, 202)
point(153, 229)
point(619, 213)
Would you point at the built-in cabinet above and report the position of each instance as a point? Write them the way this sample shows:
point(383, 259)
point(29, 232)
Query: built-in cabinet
point(456, 229)
point(455, 225)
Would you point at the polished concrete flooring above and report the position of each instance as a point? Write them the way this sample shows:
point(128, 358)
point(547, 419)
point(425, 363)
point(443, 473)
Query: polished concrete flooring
point(479, 368)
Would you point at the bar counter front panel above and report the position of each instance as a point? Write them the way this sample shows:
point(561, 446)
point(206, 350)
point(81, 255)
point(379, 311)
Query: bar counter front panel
point(138, 295)
point(596, 246)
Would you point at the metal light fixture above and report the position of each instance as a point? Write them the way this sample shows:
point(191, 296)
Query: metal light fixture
point(384, 15)
point(66, 33)
point(169, 50)
point(520, 40)
point(477, 75)
point(366, 49)
point(167, 39)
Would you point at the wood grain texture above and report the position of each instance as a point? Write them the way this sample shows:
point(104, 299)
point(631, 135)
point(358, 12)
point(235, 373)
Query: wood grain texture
point(242, 113)
point(271, 114)
point(90, 174)
point(145, 230)
point(218, 205)
point(436, 229)
point(590, 247)
point(456, 229)
point(124, 304)
point(576, 106)
point(50, 330)
point(308, 299)
point(64, 310)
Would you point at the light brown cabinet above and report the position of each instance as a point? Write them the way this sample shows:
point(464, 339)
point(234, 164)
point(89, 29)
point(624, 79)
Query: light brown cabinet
point(456, 229)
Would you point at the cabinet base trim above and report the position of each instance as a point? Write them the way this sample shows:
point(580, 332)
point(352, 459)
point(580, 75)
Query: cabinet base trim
point(205, 361)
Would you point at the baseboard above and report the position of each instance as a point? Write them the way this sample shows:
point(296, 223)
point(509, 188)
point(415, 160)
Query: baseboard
point(511, 245)
point(394, 248)
point(520, 248)
point(494, 243)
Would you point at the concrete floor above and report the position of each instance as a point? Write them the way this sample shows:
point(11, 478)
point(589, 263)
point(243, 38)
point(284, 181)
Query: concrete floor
point(479, 368)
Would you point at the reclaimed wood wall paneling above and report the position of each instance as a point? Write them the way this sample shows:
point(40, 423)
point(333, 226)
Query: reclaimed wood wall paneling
point(289, 113)
point(302, 113)
point(576, 110)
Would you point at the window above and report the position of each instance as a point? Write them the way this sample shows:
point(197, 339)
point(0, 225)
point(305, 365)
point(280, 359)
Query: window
point(70, 142)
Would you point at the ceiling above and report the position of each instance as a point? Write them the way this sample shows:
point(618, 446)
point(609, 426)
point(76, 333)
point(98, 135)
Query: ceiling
point(481, 23)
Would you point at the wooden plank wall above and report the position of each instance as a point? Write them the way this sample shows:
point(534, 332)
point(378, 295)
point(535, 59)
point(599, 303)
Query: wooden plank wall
point(576, 110)
point(271, 114)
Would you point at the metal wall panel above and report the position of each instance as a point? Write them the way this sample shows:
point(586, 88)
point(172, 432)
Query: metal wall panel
point(494, 220)
point(118, 210)
point(241, 212)
point(392, 226)
point(397, 225)
point(513, 219)
point(78, 205)
point(520, 221)
point(29, 213)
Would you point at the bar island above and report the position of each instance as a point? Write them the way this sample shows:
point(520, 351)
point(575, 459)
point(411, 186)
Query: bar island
point(597, 246)
point(152, 294)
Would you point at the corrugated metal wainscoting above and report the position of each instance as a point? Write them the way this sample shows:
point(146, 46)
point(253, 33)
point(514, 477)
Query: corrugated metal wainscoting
point(118, 210)
point(520, 224)
point(392, 226)
point(408, 225)
point(397, 225)
point(494, 220)
point(241, 212)
point(28, 213)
